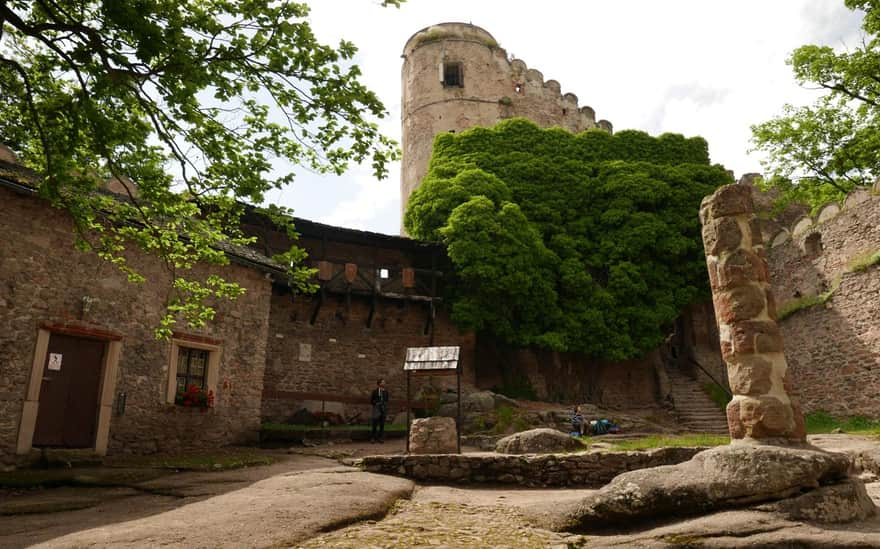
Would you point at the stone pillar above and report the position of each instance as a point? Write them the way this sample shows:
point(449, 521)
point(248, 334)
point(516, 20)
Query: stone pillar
point(764, 407)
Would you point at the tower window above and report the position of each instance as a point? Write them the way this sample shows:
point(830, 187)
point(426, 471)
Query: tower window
point(453, 75)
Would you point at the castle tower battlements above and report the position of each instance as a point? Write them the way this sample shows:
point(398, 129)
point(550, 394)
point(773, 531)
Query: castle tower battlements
point(455, 76)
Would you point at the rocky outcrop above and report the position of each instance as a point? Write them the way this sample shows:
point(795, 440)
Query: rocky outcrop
point(538, 441)
point(724, 477)
point(433, 435)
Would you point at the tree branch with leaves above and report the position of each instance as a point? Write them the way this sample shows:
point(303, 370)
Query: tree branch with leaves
point(193, 101)
point(820, 153)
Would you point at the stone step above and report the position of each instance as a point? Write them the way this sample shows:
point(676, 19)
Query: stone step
point(695, 410)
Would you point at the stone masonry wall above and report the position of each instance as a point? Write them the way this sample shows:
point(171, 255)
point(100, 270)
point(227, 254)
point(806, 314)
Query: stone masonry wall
point(582, 470)
point(334, 363)
point(43, 280)
point(569, 377)
point(833, 349)
point(495, 88)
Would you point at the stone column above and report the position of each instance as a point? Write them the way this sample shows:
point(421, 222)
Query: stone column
point(764, 407)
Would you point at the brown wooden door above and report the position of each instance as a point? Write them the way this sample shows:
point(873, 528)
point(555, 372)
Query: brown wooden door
point(68, 411)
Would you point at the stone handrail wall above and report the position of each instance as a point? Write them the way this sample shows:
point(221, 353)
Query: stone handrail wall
point(584, 470)
point(763, 406)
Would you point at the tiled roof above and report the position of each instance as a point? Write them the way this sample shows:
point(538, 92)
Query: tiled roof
point(19, 175)
point(22, 179)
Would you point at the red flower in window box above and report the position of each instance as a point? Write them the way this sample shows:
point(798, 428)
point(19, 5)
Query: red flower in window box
point(195, 396)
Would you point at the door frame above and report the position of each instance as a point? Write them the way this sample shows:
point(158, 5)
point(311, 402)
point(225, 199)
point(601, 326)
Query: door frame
point(109, 367)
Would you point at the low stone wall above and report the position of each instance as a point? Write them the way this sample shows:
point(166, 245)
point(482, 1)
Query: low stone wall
point(585, 470)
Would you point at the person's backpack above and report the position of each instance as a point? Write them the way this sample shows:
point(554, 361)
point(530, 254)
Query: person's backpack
point(602, 427)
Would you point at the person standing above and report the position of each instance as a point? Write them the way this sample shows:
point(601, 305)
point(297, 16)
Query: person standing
point(379, 401)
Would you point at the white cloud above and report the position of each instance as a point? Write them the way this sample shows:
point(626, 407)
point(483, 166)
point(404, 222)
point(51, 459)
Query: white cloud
point(694, 67)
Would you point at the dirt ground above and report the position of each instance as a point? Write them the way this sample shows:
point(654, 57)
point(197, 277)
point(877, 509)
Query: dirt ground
point(306, 499)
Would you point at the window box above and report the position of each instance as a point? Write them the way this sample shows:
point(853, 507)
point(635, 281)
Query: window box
point(193, 370)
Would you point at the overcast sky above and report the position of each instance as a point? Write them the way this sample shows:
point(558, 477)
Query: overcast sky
point(700, 67)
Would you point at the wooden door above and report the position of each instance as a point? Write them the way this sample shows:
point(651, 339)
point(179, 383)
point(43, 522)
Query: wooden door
point(68, 412)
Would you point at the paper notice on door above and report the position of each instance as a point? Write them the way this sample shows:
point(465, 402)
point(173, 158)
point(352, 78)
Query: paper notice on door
point(55, 361)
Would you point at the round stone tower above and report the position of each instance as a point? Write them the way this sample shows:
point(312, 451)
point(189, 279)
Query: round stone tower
point(455, 76)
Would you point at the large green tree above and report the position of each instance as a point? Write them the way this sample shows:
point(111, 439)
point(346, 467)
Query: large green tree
point(193, 100)
point(821, 152)
point(586, 242)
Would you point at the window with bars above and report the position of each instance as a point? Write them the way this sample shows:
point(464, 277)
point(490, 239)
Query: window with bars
point(192, 368)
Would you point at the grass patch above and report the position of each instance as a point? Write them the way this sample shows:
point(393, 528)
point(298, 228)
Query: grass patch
point(289, 427)
point(509, 420)
point(209, 460)
point(823, 422)
point(808, 301)
point(663, 441)
point(862, 262)
point(718, 395)
point(857, 264)
point(441, 34)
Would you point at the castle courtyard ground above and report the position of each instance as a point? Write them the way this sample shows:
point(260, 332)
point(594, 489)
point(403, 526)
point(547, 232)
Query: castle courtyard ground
point(308, 498)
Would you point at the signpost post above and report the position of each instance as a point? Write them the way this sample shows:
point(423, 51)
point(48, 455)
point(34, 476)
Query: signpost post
point(434, 359)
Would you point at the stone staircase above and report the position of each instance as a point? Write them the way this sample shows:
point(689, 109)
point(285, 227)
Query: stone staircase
point(695, 410)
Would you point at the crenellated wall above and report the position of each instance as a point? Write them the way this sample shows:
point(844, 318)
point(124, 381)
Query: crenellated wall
point(493, 88)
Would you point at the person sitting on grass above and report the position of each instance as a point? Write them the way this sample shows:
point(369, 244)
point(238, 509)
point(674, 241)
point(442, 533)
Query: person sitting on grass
point(578, 425)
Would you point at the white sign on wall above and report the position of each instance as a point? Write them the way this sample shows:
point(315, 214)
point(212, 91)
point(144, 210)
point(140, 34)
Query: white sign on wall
point(55, 361)
point(305, 352)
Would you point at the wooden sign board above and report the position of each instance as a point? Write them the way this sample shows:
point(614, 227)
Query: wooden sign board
point(431, 358)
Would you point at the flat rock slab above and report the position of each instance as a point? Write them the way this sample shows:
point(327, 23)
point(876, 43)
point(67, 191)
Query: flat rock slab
point(743, 528)
point(279, 511)
point(723, 477)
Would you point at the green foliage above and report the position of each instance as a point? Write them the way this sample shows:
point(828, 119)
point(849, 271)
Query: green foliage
point(718, 395)
point(823, 422)
point(516, 386)
point(821, 152)
point(586, 242)
point(805, 302)
point(509, 420)
point(436, 34)
point(194, 102)
point(857, 264)
point(677, 441)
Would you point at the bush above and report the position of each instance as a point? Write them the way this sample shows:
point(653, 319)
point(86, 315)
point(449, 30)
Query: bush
point(586, 243)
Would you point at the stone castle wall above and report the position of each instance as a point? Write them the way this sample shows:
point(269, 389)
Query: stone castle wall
point(570, 377)
point(833, 348)
point(333, 363)
point(326, 350)
point(494, 88)
point(43, 281)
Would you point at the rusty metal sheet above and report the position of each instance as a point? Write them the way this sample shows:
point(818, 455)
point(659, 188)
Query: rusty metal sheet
point(351, 270)
point(409, 277)
point(325, 270)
